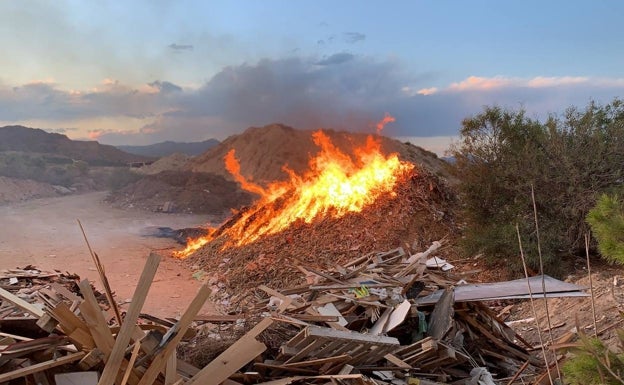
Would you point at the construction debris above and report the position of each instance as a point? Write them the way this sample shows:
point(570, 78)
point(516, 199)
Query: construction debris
point(364, 322)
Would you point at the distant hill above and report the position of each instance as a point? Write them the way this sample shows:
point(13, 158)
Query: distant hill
point(262, 151)
point(34, 140)
point(167, 148)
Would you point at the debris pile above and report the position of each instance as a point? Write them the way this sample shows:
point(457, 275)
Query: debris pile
point(391, 317)
point(380, 318)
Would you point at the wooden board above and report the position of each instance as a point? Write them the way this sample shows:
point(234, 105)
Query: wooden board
point(228, 362)
point(315, 342)
point(5, 377)
point(111, 369)
point(25, 306)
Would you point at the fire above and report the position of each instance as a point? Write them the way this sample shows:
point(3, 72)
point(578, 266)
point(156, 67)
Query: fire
point(336, 184)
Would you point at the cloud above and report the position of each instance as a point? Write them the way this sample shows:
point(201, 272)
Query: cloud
point(427, 91)
point(337, 58)
point(354, 37)
point(165, 86)
point(342, 91)
point(181, 47)
point(477, 83)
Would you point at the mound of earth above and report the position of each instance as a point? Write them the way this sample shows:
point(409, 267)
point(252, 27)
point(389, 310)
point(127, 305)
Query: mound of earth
point(162, 149)
point(18, 190)
point(173, 162)
point(263, 151)
point(188, 192)
point(418, 213)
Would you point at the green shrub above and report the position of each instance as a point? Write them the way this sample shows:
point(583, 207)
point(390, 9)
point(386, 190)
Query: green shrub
point(594, 364)
point(607, 223)
point(568, 159)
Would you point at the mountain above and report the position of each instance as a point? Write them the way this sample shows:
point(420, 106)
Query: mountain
point(159, 150)
point(34, 140)
point(262, 151)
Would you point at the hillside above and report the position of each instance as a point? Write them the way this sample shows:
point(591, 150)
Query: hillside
point(262, 151)
point(34, 140)
point(159, 150)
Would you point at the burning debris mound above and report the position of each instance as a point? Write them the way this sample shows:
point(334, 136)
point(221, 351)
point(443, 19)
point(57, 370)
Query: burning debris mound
point(420, 211)
point(343, 206)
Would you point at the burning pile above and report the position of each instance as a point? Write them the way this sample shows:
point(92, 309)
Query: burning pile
point(343, 206)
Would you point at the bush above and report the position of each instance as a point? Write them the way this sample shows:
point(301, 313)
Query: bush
point(594, 364)
point(607, 223)
point(568, 160)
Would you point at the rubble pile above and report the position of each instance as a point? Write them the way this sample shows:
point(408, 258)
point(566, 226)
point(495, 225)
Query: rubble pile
point(386, 317)
point(381, 318)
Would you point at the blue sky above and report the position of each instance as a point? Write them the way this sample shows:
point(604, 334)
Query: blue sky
point(139, 72)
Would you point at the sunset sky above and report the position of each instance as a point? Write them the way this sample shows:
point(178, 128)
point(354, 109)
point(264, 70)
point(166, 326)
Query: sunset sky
point(140, 72)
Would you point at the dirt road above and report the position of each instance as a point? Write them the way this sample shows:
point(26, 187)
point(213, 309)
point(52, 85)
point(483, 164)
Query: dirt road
point(45, 233)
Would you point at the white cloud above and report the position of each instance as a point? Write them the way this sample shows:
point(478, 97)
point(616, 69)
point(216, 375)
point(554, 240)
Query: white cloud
point(479, 83)
point(482, 83)
point(427, 91)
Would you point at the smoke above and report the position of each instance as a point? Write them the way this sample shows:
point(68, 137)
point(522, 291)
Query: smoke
point(341, 91)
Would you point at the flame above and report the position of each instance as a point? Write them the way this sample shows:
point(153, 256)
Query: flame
point(386, 119)
point(336, 184)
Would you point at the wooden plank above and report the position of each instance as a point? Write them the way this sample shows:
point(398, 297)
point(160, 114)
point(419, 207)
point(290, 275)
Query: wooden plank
point(67, 319)
point(282, 368)
point(160, 360)
point(133, 357)
point(111, 368)
point(47, 323)
point(95, 321)
point(64, 292)
point(350, 335)
point(397, 361)
point(25, 306)
point(317, 343)
point(217, 318)
point(93, 358)
point(496, 341)
point(5, 377)
point(100, 269)
point(319, 361)
point(286, 301)
point(171, 375)
point(227, 363)
point(185, 369)
point(346, 286)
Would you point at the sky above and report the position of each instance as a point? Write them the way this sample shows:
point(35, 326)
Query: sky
point(141, 72)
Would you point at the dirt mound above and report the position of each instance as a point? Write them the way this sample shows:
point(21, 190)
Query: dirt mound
point(263, 151)
point(419, 213)
point(188, 192)
point(18, 190)
point(173, 162)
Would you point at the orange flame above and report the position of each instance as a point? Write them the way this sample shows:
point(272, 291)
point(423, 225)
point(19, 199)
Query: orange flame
point(335, 185)
point(382, 123)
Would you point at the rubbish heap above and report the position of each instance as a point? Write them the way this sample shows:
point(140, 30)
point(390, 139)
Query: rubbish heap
point(384, 317)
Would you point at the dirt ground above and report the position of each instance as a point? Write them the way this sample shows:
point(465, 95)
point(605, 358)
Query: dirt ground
point(44, 233)
point(568, 313)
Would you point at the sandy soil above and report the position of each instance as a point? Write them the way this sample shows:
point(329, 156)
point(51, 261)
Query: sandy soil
point(44, 233)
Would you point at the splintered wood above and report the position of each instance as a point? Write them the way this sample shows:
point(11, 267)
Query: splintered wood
point(357, 324)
